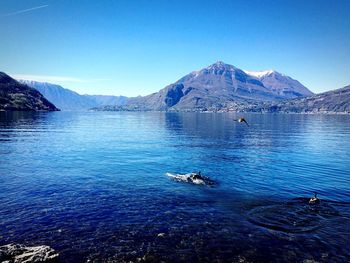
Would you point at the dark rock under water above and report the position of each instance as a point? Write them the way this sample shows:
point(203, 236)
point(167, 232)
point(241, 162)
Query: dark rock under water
point(15, 253)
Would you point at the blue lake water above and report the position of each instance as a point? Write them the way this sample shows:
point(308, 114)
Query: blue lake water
point(92, 185)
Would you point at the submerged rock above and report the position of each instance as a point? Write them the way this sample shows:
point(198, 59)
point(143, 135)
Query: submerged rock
point(193, 178)
point(14, 253)
point(161, 235)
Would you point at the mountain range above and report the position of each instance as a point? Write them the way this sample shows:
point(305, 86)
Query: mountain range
point(69, 100)
point(216, 87)
point(18, 96)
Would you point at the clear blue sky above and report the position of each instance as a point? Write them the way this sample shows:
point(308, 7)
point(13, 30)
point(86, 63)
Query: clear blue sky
point(138, 47)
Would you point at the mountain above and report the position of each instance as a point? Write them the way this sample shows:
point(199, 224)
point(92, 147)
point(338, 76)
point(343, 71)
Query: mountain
point(335, 101)
point(100, 100)
point(281, 84)
point(63, 98)
point(15, 96)
point(69, 100)
point(216, 87)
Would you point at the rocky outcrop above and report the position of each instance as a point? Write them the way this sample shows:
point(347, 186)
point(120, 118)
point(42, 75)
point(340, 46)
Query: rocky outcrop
point(15, 96)
point(173, 95)
point(14, 253)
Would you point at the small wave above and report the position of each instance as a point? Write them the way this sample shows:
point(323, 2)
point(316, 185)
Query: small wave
point(296, 216)
point(191, 178)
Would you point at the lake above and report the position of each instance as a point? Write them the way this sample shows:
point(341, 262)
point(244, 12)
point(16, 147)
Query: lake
point(93, 186)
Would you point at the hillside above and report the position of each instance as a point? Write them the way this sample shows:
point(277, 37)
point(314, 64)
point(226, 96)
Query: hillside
point(335, 101)
point(15, 96)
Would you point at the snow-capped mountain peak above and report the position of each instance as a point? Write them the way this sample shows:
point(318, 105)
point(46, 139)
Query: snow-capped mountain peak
point(259, 74)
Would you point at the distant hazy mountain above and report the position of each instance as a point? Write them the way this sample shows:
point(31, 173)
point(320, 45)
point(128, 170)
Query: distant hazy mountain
point(15, 96)
point(67, 99)
point(63, 98)
point(335, 101)
point(219, 86)
point(100, 100)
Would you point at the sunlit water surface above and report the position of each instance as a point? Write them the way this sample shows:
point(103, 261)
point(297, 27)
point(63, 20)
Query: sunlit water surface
point(92, 185)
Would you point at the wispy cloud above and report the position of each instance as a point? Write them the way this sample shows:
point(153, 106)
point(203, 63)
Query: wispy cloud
point(55, 79)
point(24, 10)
